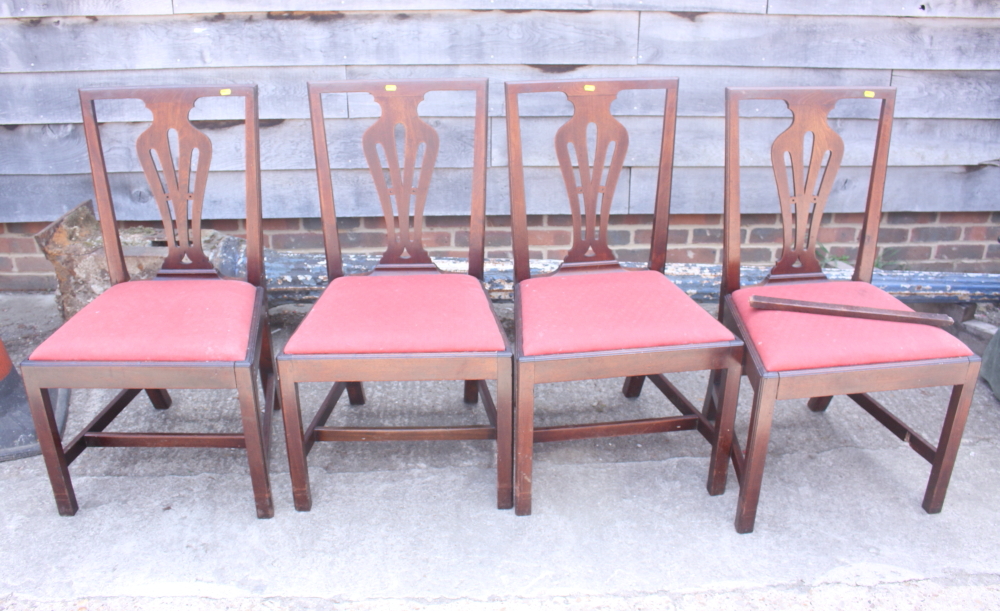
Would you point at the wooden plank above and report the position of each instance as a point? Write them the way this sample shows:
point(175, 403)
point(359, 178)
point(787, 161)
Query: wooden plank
point(228, 6)
point(717, 39)
point(900, 8)
point(545, 192)
point(947, 94)
point(52, 97)
point(287, 145)
point(61, 8)
point(701, 90)
point(494, 37)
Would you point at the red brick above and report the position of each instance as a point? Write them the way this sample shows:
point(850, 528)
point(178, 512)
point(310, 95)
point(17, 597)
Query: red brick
point(344, 223)
point(840, 252)
point(696, 219)
point(706, 236)
point(910, 218)
point(281, 224)
point(963, 217)
point(500, 254)
point(557, 220)
point(300, 241)
point(993, 251)
point(893, 235)
point(538, 220)
point(983, 233)
point(930, 266)
point(905, 253)
point(630, 219)
point(691, 255)
point(498, 221)
point(3, 227)
point(26, 228)
point(493, 238)
point(374, 222)
point(756, 255)
point(432, 239)
point(447, 221)
point(18, 245)
point(552, 237)
point(363, 239)
point(760, 219)
point(27, 282)
point(37, 264)
point(935, 234)
point(960, 251)
point(536, 254)
point(832, 235)
point(632, 255)
point(6, 264)
point(978, 267)
point(848, 218)
point(557, 254)
point(996, 217)
point(221, 224)
point(674, 236)
point(617, 237)
point(766, 235)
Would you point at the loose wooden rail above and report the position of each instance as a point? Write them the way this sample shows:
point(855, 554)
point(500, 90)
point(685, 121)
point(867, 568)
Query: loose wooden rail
point(761, 302)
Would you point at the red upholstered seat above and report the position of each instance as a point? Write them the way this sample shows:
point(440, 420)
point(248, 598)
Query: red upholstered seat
point(790, 341)
point(590, 312)
point(404, 314)
point(158, 320)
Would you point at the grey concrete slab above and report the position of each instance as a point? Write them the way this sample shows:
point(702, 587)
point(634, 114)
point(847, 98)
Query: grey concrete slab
point(623, 523)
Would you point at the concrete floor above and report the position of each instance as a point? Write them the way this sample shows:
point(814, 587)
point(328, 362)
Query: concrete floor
point(623, 523)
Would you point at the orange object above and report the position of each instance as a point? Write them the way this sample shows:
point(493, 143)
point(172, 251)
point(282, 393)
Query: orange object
point(5, 364)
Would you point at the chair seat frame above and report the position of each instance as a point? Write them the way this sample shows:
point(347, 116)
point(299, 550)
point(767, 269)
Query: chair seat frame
point(156, 377)
point(821, 384)
point(347, 371)
point(716, 417)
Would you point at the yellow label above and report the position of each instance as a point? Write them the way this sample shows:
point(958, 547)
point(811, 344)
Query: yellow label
point(390, 88)
point(225, 91)
point(869, 94)
point(589, 88)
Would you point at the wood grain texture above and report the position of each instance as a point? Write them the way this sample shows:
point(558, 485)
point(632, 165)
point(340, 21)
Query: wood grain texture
point(950, 94)
point(226, 6)
point(58, 8)
point(492, 37)
point(51, 97)
point(717, 39)
point(897, 8)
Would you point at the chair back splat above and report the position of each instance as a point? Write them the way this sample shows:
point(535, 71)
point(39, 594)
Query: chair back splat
point(592, 318)
point(187, 328)
point(809, 337)
point(401, 151)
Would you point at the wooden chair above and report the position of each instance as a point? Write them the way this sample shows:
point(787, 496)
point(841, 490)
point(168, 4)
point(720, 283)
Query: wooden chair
point(792, 354)
point(594, 319)
point(405, 320)
point(188, 328)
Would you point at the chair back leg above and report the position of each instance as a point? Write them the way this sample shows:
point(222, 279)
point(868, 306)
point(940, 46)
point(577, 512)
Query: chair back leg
point(505, 433)
point(255, 438)
point(764, 398)
point(524, 433)
point(722, 443)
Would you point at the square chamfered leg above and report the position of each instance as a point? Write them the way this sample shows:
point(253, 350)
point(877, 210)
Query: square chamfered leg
point(505, 433)
point(51, 445)
point(951, 437)
point(255, 439)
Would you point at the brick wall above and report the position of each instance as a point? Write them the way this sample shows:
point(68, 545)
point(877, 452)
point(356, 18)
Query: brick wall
point(934, 241)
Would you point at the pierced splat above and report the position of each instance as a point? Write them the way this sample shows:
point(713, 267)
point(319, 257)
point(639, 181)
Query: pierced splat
point(175, 157)
point(402, 181)
point(591, 149)
point(804, 179)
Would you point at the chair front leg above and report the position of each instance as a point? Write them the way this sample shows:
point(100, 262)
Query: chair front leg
point(951, 437)
point(295, 442)
point(50, 443)
point(764, 397)
point(253, 434)
point(505, 433)
point(159, 397)
point(819, 404)
point(524, 433)
point(633, 386)
point(729, 393)
point(355, 393)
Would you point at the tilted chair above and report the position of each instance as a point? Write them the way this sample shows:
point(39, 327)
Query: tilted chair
point(829, 351)
point(188, 328)
point(593, 318)
point(405, 321)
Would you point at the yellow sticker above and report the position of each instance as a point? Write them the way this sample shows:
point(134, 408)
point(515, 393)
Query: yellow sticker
point(390, 88)
point(589, 88)
point(225, 91)
point(869, 94)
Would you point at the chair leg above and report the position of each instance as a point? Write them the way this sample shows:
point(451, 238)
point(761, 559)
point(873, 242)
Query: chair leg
point(159, 397)
point(267, 368)
point(471, 391)
point(951, 437)
point(50, 442)
point(505, 434)
point(718, 468)
point(246, 388)
point(819, 404)
point(524, 432)
point(355, 393)
point(633, 386)
point(298, 468)
point(708, 408)
point(764, 397)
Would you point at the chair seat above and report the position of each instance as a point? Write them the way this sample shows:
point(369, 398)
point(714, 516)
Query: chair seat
point(789, 341)
point(399, 314)
point(158, 320)
point(592, 312)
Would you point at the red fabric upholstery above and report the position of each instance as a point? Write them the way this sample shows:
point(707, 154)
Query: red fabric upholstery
point(403, 314)
point(790, 341)
point(158, 320)
point(590, 312)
